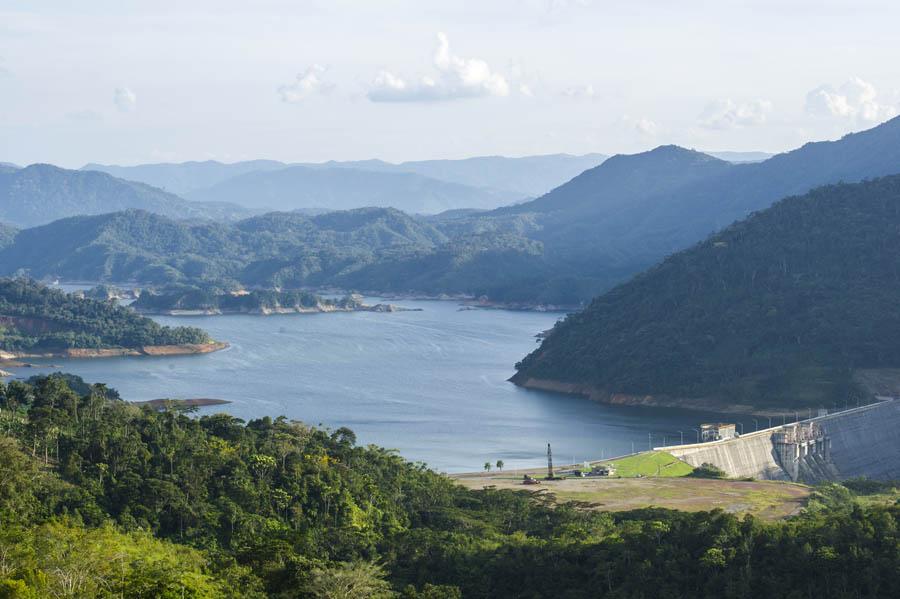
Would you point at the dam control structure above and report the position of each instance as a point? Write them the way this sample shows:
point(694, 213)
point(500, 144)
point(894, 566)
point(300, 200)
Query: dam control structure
point(859, 442)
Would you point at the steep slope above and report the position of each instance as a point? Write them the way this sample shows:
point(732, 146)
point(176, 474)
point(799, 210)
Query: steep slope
point(41, 193)
point(528, 176)
point(298, 187)
point(624, 179)
point(776, 310)
point(625, 215)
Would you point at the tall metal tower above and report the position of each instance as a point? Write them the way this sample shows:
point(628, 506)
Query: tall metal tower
point(549, 462)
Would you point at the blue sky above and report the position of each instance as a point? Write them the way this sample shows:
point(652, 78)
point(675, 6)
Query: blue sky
point(127, 82)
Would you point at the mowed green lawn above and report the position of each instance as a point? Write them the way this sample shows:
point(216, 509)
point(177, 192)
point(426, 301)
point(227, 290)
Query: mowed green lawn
point(650, 463)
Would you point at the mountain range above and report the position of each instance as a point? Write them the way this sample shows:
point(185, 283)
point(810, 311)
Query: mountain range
point(779, 309)
point(324, 189)
point(41, 193)
point(623, 216)
point(563, 248)
point(520, 178)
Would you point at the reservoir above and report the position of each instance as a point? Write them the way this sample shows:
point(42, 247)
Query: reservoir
point(430, 384)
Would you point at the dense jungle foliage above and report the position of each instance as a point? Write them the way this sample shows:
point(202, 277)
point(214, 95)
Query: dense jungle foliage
point(36, 318)
point(99, 498)
point(777, 310)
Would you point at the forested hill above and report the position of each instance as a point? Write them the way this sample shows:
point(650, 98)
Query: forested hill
point(41, 193)
point(278, 249)
point(776, 310)
point(102, 499)
point(34, 318)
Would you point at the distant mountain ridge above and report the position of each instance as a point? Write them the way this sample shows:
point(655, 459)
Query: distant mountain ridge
point(776, 310)
point(298, 187)
point(42, 193)
point(523, 177)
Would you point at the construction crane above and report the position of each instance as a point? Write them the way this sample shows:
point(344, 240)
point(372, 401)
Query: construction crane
point(549, 463)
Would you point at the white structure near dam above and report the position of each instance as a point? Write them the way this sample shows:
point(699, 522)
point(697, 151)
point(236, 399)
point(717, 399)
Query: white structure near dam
point(862, 441)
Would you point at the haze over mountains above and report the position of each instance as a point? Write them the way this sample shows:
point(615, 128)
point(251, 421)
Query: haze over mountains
point(41, 193)
point(301, 187)
point(524, 177)
point(565, 247)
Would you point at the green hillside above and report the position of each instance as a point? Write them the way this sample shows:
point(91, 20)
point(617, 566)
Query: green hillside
point(102, 499)
point(776, 310)
point(35, 318)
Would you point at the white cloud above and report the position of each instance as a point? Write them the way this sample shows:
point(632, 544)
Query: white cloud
point(855, 99)
point(643, 125)
point(726, 114)
point(526, 90)
point(455, 78)
point(646, 126)
point(580, 91)
point(125, 99)
point(308, 83)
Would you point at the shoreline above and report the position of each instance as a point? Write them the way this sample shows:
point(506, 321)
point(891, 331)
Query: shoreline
point(186, 349)
point(466, 300)
point(198, 402)
point(381, 308)
point(651, 401)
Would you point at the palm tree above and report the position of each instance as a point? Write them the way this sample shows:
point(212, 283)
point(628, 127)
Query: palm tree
point(500, 465)
point(487, 466)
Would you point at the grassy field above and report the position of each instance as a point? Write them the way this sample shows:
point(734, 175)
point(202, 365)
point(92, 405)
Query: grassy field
point(769, 500)
point(650, 463)
point(654, 479)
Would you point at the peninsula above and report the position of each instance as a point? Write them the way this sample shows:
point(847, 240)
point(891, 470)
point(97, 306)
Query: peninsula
point(38, 322)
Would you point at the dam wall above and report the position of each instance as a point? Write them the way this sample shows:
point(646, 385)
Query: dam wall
point(862, 441)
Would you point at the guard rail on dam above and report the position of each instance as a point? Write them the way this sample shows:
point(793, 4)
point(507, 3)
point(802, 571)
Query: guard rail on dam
point(863, 441)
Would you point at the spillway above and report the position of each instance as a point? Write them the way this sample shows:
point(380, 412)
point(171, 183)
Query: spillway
point(859, 442)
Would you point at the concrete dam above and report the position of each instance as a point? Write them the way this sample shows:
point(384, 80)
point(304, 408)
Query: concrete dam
point(859, 442)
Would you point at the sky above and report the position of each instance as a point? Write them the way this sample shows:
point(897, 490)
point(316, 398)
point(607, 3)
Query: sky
point(121, 82)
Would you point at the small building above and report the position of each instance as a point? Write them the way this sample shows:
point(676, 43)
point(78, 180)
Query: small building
point(603, 470)
point(717, 431)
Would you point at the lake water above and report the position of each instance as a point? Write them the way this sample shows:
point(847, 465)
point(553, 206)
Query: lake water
point(431, 384)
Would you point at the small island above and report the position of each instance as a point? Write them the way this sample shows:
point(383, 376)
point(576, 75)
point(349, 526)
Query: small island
point(202, 302)
point(38, 322)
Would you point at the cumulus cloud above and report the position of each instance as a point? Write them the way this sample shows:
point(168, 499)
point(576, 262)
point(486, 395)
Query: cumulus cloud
point(454, 78)
point(855, 99)
point(726, 114)
point(125, 99)
point(308, 83)
point(643, 125)
point(646, 126)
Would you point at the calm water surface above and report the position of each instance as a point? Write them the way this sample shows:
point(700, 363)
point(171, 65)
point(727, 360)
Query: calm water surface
point(431, 384)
